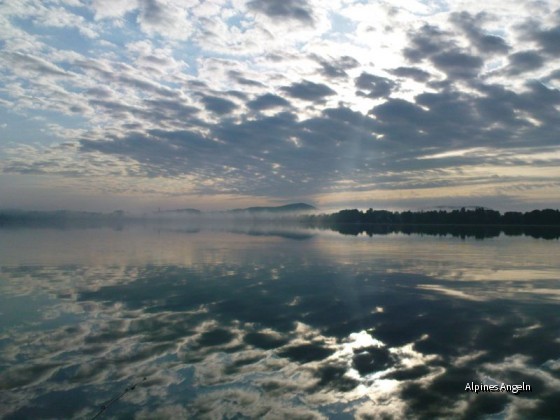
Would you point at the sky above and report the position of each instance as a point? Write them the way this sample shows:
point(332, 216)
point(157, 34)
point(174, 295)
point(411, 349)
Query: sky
point(146, 104)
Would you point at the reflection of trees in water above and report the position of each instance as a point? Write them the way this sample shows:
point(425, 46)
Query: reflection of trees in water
point(478, 223)
point(462, 231)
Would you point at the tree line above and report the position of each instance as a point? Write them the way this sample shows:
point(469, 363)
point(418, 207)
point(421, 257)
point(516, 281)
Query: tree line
point(477, 216)
point(476, 223)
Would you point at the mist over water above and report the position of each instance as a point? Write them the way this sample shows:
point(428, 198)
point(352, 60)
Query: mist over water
point(269, 321)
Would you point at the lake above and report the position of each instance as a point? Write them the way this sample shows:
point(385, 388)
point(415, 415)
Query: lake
point(176, 322)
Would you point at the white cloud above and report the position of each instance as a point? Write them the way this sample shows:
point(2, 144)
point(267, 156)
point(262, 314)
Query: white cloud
point(166, 18)
point(113, 9)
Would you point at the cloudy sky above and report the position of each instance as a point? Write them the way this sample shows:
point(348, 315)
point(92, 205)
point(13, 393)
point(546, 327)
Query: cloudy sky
point(139, 104)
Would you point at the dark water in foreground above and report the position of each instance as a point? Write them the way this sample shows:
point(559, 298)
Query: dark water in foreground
point(298, 325)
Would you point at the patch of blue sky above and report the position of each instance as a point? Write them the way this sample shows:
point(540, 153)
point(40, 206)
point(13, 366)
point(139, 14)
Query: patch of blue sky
point(125, 33)
point(548, 84)
point(59, 38)
point(340, 23)
point(436, 6)
point(17, 128)
point(68, 121)
point(341, 26)
point(501, 32)
point(189, 52)
point(238, 21)
point(24, 130)
point(128, 33)
point(82, 10)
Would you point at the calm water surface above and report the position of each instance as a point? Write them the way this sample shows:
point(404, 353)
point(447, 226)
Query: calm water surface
point(275, 324)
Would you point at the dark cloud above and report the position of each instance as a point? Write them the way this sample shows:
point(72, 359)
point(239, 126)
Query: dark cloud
point(337, 68)
point(524, 61)
point(293, 152)
point(154, 109)
point(359, 147)
point(453, 120)
point(548, 39)
point(457, 65)
point(373, 86)
point(494, 109)
point(540, 102)
point(347, 62)
point(442, 49)
point(170, 108)
point(491, 44)
point(427, 41)
point(400, 110)
point(236, 94)
point(309, 91)
point(411, 72)
point(114, 107)
point(283, 9)
point(334, 134)
point(485, 43)
point(267, 101)
point(554, 75)
point(101, 92)
point(250, 147)
point(340, 143)
point(239, 78)
point(219, 106)
point(331, 71)
point(153, 12)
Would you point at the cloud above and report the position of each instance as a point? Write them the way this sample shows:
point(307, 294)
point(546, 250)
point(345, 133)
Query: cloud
point(283, 9)
point(267, 101)
point(337, 68)
point(239, 78)
point(458, 65)
point(374, 86)
point(104, 9)
point(485, 43)
point(414, 73)
point(309, 91)
point(339, 142)
point(278, 107)
point(166, 18)
point(217, 105)
point(427, 41)
point(548, 39)
point(28, 62)
point(524, 61)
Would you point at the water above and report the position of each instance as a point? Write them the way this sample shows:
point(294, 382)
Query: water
point(278, 324)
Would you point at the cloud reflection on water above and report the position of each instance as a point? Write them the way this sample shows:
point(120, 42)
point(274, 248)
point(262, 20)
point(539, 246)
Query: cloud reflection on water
point(268, 326)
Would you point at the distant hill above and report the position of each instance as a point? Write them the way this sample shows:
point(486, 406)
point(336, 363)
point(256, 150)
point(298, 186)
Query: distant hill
point(288, 208)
